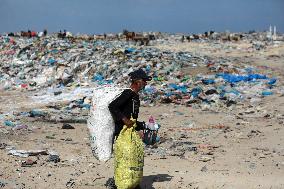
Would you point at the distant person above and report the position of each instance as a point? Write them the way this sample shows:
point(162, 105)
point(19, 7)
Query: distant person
point(44, 32)
point(182, 38)
point(61, 35)
point(64, 34)
point(29, 33)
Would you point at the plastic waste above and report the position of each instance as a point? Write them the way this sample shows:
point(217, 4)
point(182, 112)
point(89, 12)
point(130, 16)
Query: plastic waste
point(266, 93)
point(195, 92)
point(51, 61)
point(237, 78)
point(272, 81)
point(98, 77)
point(129, 50)
point(37, 113)
point(36, 64)
point(208, 81)
point(53, 157)
point(19, 127)
point(9, 123)
point(27, 153)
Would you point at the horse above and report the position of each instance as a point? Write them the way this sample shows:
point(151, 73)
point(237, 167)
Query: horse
point(26, 34)
point(144, 40)
point(61, 35)
point(129, 35)
point(195, 36)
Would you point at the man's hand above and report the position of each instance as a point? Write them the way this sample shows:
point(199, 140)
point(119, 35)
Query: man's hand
point(141, 134)
point(128, 122)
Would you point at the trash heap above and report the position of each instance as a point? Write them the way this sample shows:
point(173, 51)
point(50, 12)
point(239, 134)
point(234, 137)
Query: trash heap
point(54, 64)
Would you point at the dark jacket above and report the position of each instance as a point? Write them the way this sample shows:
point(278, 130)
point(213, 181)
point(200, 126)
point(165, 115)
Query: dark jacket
point(125, 105)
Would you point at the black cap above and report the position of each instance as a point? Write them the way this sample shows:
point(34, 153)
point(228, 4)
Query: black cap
point(139, 74)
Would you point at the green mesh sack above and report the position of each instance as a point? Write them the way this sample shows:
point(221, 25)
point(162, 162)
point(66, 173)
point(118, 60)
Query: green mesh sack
point(128, 159)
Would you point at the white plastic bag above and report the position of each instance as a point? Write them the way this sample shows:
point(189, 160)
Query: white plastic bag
point(100, 122)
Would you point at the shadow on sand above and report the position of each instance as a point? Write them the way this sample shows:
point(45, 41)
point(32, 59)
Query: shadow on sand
point(148, 181)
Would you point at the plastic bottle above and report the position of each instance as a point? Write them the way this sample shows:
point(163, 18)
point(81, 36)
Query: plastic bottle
point(151, 123)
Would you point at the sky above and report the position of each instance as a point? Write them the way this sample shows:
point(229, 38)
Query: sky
point(112, 16)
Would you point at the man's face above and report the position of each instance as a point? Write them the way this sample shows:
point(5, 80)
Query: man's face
point(141, 84)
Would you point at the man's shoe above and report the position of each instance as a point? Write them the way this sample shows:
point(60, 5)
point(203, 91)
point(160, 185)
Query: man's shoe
point(110, 184)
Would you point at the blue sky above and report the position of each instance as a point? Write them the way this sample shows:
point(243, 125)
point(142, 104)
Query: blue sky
point(186, 16)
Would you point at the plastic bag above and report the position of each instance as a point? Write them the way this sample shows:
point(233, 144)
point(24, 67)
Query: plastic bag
point(100, 122)
point(128, 159)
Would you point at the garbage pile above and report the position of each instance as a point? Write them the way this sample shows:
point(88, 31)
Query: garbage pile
point(56, 64)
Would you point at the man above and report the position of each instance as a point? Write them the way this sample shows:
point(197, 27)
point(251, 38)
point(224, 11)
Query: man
point(128, 103)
